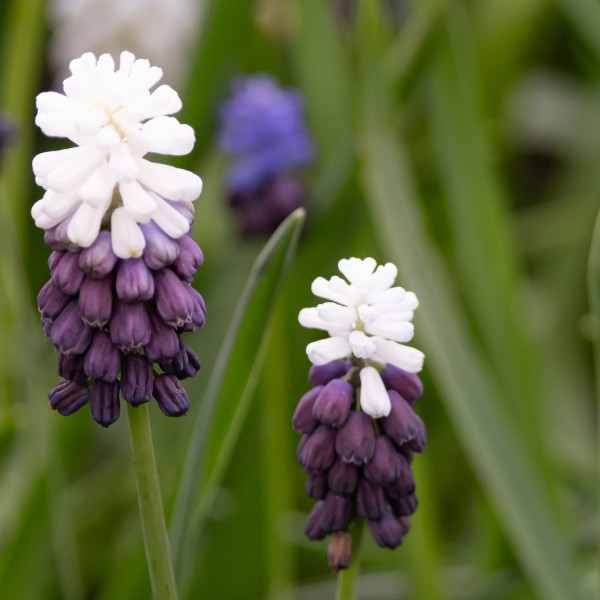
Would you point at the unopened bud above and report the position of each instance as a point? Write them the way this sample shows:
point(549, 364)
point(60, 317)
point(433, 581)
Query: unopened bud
point(339, 551)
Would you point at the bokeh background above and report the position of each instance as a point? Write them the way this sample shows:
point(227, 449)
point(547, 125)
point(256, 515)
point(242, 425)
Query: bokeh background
point(459, 139)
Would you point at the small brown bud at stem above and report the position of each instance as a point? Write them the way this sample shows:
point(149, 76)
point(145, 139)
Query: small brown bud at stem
point(339, 552)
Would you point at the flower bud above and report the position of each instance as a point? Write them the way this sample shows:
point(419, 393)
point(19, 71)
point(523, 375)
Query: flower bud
point(316, 485)
point(171, 396)
point(322, 374)
point(408, 385)
point(370, 500)
point(402, 424)
point(99, 259)
point(404, 484)
point(190, 258)
point(137, 379)
point(96, 301)
point(303, 420)
point(134, 280)
point(54, 259)
point(104, 402)
point(102, 359)
point(70, 335)
point(339, 551)
point(173, 300)
point(402, 507)
point(328, 515)
point(184, 208)
point(160, 249)
point(355, 441)
point(164, 341)
point(67, 275)
point(386, 464)
point(387, 532)
point(184, 363)
point(316, 452)
point(47, 324)
point(51, 300)
point(332, 405)
point(417, 443)
point(50, 239)
point(67, 397)
point(130, 326)
point(70, 366)
point(342, 477)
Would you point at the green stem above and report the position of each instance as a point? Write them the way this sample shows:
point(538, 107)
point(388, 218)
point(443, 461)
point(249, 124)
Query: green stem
point(346, 583)
point(156, 541)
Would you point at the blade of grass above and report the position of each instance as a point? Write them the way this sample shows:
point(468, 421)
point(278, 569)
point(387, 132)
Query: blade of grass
point(585, 18)
point(231, 385)
point(473, 401)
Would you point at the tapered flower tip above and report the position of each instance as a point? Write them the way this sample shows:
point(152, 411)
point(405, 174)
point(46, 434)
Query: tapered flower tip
point(339, 551)
point(374, 399)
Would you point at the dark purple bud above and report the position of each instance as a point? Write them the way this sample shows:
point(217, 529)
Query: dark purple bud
point(402, 424)
point(355, 441)
point(104, 402)
point(322, 374)
point(317, 453)
point(130, 326)
point(408, 385)
point(328, 515)
point(67, 275)
point(184, 364)
point(387, 532)
point(50, 239)
point(96, 301)
point(51, 300)
point(137, 379)
point(190, 258)
point(102, 359)
point(160, 249)
point(370, 500)
point(67, 397)
point(54, 259)
point(47, 324)
point(332, 405)
point(418, 443)
point(70, 366)
point(342, 477)
point(134, 280)
point(303, 420)
point(170, 395)
point(99, 259)
point(173, 300)
point(70, 335)
point(198, 317)
point(316, 485)
point(386, 464)
point(339, 551)
point(164, 341)
point(402, 507)
point(62, 236)
point(404, 484)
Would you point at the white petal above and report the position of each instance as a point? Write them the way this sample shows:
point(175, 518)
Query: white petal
point(164, 100)
point(163, 135)
point(308, 317)
point(171, 221)
point(383, 278)
point(335, 289)
point(85, 224)
point(122, 163)
point(367, 313)
point(404, 357)
point(336, 313)
point(397, 315)
point(107, 139)
point(44, 163)
point(324, 351)
point(362, 345)
point(374, 399)
point(98, 188)
point(399, 331)
point(389, 296)
point(356, 270)
point(58, 206)
point(41, 219)
point(127, 238)
point(169, 182)
point(71, 173)
point(138, 202)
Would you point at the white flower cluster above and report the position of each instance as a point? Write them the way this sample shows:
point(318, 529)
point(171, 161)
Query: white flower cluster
point(366, 319)
point(115, 120)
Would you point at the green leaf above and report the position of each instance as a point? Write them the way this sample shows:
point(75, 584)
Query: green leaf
point(472, 399)
point(232, 384)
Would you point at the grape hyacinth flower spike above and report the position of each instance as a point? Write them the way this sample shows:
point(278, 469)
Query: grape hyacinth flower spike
point(359, 429)
point(264, 134)
point(119, 297)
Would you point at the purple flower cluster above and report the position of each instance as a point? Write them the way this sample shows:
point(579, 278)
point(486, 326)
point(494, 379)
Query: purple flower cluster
point(112, 321)
point(264, 133)
point(356, 464)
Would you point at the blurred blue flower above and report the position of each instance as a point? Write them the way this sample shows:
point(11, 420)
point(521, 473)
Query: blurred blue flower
point(263, 131)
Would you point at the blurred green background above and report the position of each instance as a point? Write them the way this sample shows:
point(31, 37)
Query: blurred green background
point(459, 139)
